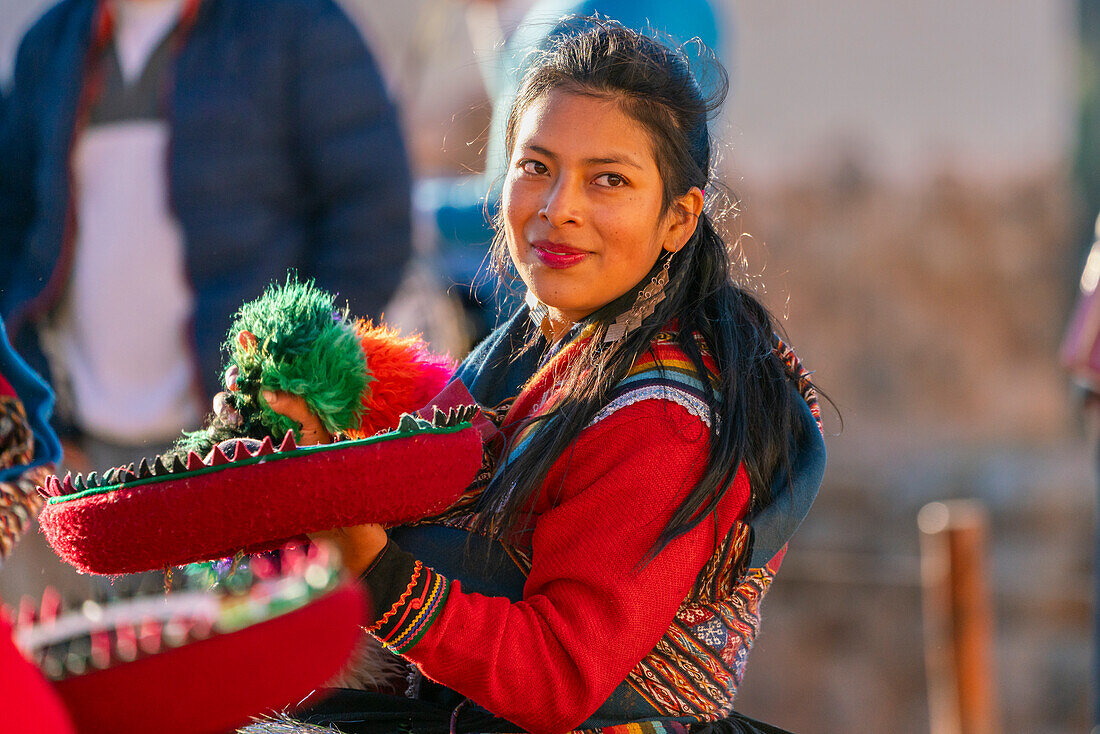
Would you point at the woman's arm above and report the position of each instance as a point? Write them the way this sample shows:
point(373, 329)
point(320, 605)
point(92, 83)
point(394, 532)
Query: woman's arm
point(589, 612)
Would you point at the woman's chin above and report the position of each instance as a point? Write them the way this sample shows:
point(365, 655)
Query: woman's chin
point(562, 307)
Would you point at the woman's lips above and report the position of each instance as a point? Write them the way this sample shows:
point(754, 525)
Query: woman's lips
point(557, 256)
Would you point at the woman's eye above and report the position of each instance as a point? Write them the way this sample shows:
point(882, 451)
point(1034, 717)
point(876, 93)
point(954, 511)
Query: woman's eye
point(611, 180)
point(533, 167)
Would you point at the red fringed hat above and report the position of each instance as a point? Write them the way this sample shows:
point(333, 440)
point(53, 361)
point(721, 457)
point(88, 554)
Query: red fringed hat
point(252, 496)
point(193, 661)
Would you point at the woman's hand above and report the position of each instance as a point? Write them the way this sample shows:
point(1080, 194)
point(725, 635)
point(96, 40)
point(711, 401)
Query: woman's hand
point(359, 544)
point(294, 407)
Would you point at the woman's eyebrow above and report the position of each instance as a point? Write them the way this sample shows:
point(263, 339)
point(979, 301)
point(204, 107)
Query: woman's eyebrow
point(603, 160)
point(540, 150)
point(610, 159)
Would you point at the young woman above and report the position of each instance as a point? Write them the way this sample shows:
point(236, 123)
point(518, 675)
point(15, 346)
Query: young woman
point(660, 444)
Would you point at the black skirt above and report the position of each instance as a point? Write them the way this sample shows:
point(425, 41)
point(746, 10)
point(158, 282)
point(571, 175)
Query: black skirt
point(364, 712)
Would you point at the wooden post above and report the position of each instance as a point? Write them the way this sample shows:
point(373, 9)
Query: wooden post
point(958, 619)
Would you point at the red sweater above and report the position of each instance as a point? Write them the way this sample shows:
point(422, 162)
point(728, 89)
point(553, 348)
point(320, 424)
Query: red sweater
point(589, 614)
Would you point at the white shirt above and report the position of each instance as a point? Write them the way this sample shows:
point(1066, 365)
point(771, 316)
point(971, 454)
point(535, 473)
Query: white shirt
point(139, 26)
point(122, 330)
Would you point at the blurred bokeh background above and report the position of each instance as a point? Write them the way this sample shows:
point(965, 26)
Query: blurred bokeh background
point(917, 185)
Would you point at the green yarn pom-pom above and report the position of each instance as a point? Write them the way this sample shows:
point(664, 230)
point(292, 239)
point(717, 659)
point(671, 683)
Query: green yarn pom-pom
point(304, 345)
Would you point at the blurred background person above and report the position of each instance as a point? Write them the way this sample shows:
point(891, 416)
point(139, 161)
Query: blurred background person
point(151, 143)
point(163, 161)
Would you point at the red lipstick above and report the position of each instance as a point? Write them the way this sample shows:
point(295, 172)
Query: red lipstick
point(557, 256)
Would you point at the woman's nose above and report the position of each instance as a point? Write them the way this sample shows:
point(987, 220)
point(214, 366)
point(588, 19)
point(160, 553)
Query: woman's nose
point(563, 205)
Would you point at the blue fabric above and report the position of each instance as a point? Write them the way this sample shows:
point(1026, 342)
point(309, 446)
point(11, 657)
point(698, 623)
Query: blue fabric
point(775, 524)
point(286, 153)
point(37, 400)
point(496, 370)
point(482, 567)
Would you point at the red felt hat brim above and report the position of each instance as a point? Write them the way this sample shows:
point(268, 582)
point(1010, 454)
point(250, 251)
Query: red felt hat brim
point(27, 701)
point(218, 684)
point(258, 504)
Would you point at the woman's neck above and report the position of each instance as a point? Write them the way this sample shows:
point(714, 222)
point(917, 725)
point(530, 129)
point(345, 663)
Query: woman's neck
point(551, 321)
point(558, 324)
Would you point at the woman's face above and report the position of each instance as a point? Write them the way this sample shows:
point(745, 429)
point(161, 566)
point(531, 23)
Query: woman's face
point(582, 204)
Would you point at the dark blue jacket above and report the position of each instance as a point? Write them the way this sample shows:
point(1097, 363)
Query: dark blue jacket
point(285, 153)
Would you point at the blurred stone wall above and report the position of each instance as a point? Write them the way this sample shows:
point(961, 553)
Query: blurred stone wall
point(931, 315)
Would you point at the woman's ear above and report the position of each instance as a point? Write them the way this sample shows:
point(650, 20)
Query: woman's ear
point(683, 218)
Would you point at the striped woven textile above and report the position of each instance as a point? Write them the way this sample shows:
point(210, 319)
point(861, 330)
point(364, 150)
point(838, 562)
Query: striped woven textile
point(19, 500)
point(663, 372)
point(645, 727)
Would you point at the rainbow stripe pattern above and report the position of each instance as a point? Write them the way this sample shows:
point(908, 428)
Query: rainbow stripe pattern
point(644, 727)
point(404, 624)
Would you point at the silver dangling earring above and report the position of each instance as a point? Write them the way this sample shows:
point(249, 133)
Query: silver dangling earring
point(647, 300)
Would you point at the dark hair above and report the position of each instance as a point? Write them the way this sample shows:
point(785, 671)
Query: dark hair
point(752, 405)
